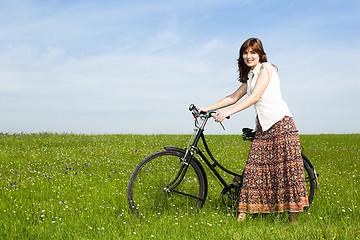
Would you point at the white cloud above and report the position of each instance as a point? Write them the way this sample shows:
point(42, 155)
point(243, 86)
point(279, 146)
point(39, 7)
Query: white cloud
point(135, 68)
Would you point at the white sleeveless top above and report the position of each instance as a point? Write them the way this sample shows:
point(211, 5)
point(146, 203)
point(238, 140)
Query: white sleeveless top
point(271, 107)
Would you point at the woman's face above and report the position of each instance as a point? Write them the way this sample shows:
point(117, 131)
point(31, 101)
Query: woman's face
point(251, 58)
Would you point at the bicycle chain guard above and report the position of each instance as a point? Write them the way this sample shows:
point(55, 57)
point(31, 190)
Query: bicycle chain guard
point(230, 196)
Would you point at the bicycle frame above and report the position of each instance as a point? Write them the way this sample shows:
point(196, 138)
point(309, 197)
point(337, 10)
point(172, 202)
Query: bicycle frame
point(192, 149)
point(215, 164)
point(174, 175)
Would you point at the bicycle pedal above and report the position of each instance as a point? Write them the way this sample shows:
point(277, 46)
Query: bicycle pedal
point(236, 181)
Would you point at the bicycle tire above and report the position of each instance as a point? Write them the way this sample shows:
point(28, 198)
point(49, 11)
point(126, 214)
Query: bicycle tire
point(310, 180)
point(146, 190)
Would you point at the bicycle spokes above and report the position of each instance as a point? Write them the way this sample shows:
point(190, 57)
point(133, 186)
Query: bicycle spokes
point(162, 183)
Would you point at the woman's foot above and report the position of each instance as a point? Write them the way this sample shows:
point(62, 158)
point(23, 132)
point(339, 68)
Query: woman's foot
point(241, 217)
point(292, 217)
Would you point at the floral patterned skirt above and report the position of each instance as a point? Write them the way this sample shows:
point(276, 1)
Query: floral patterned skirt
point(273, 178)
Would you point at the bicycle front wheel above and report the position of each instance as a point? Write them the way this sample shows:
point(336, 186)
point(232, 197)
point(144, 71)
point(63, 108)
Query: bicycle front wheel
point(150, 186)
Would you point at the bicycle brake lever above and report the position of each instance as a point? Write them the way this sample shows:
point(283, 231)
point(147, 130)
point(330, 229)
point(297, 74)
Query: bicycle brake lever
point(222, 126)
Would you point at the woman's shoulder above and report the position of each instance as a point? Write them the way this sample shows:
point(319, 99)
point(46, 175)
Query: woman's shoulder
point(268, 67)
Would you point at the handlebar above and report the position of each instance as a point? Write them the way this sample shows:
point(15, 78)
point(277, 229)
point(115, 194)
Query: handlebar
point(203, 115)
point(196, 113)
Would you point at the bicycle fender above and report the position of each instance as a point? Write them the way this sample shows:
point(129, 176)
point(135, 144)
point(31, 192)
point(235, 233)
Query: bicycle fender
point(183, 151)
point(307, 160)
point(173, 148)
point(312, 168)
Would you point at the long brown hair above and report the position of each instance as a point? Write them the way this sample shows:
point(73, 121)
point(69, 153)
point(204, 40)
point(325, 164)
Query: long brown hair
point(256, 45)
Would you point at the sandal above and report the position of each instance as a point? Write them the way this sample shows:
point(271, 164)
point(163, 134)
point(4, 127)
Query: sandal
point(241, 217)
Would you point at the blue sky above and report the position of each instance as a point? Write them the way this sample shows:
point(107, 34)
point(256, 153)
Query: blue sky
point(86, 66)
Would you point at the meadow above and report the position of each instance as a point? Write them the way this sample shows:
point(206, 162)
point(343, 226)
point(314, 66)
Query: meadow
point(67, 186)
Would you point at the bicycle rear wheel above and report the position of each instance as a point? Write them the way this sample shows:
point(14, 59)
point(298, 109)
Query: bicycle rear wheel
point(149, 192)
point(310, 180)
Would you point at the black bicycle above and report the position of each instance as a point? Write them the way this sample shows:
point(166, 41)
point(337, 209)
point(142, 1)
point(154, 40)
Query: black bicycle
point(174, 179)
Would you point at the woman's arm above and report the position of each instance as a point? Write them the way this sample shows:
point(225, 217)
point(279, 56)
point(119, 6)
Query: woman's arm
point(229, 100)
point(260, 86)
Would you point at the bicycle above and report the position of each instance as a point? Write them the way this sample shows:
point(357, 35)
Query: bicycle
point(174, 178)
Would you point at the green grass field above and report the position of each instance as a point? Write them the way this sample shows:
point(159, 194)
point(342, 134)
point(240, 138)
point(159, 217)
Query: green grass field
point(64, 186)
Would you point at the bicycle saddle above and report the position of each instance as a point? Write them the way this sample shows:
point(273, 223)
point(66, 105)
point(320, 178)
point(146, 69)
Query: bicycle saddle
point(248, 134)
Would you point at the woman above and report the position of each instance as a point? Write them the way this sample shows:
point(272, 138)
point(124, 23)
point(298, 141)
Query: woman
point(273, 178)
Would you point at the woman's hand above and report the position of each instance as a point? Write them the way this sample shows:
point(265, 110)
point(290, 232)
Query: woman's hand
point(221, 115)
point(203, 110)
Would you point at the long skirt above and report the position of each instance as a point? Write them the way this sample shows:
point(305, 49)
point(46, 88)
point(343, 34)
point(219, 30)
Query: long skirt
point(273, 178)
